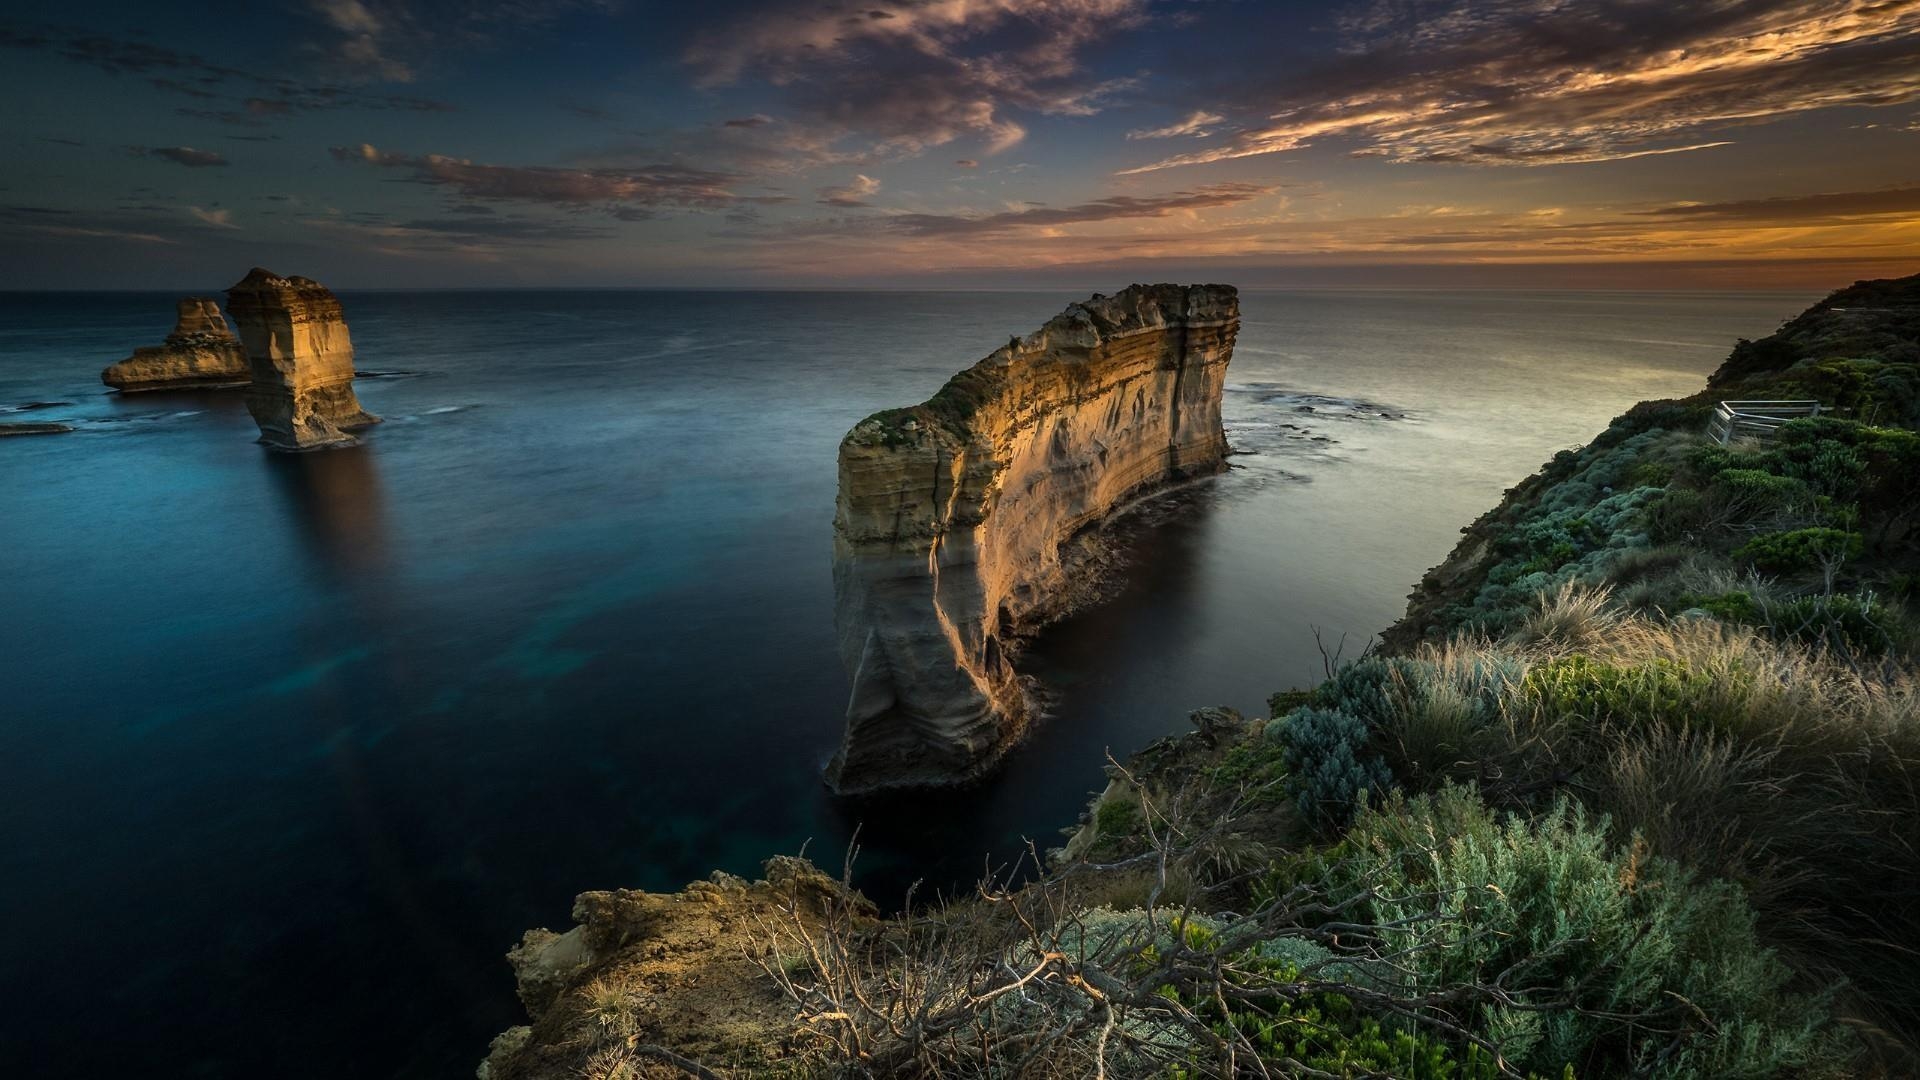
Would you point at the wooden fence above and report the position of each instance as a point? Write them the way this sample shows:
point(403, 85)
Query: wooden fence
point(1756, 418)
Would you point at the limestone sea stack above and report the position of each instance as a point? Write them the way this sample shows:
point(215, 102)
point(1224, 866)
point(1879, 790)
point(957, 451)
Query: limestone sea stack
point(200, 353)
point(958, 519)
point(301, 361)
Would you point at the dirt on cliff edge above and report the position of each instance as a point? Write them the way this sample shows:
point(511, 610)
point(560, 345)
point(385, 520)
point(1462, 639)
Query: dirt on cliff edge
point(646, 979)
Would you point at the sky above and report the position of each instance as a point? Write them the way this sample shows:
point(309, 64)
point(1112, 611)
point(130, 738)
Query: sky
point(961, 143)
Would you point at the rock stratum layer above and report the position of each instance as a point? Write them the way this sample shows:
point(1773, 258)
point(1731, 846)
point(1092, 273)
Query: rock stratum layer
point(956, 519)
point(200, 353)
point(300, 359)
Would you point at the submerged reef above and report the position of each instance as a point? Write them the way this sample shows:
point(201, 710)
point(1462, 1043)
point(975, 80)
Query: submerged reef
point(957, 520)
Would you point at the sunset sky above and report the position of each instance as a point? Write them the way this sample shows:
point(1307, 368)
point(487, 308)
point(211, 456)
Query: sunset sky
point(379, 143)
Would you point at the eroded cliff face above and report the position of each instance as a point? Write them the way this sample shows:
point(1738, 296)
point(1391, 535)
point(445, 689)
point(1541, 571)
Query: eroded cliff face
point(956, 519)
point(301, 362)
point(200, 353)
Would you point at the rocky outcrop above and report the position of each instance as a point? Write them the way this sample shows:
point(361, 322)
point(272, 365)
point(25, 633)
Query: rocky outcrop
point(651, 977)
point(301, 362)
point(200, 353)
point(957, 520)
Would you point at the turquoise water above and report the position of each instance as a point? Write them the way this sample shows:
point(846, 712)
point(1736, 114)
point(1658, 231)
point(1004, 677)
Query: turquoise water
point(294, 748)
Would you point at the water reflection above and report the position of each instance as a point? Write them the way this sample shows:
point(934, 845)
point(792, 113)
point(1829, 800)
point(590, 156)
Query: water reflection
point(340, 506)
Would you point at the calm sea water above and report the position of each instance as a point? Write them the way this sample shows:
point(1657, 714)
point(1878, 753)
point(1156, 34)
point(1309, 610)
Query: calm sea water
point(293, 748)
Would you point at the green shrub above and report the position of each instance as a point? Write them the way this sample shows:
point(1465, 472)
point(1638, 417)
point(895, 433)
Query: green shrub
point(1255, 766)
point(1330, 769)
point(1737, 606)
point(1616, 962)
point(1800, 550)
point(1857, 625)
point(1116, 817)
point(1762, 490)
point(1656, 691)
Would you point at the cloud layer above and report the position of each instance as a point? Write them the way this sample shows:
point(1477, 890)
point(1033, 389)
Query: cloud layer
point(1532, 82)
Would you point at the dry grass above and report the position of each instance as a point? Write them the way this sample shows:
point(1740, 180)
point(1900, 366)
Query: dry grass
point(1792, 771)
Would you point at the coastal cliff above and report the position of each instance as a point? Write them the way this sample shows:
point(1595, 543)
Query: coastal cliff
point(201, 352)
point(300, 358)
point(956, 521)
point(1670, 679)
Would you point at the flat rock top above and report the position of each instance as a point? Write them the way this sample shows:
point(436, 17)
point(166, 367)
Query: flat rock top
point(262, 285)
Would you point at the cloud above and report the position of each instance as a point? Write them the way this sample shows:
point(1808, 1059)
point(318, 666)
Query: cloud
point(905, 77)
point(1799, 210)
point(1199, 124)
point(219, 219)
point(245, 93)
point(855, 193)
point(1530, 82)
point(484, 236)
point(660, 185)
point(388, 40)
point(185, 155)
point(359, 46)
point(966, 163)
point(1111, 208)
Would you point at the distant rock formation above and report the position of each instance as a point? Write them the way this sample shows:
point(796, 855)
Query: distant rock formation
point(201, 353)
point(956, 519)
point(301, 360)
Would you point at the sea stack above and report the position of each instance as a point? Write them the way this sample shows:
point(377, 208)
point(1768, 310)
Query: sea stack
point(957, 520)
point(201, 353)
point(301, 362)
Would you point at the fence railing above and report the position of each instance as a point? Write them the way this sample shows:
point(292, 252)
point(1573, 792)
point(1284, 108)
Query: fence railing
point(1757, 418)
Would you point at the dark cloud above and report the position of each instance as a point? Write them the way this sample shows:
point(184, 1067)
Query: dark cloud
point(660, 185)
point(967, 163)
point(389, 40)
point(1801, 209)
point(222, 116)
point(189, 75)
point(924, 74)
point(185, 155)
point(1112, 208)
point(1530, 82)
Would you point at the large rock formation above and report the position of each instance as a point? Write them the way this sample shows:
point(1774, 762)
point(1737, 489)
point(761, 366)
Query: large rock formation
point(956, 519)
point(301, 360)
point(200, 353)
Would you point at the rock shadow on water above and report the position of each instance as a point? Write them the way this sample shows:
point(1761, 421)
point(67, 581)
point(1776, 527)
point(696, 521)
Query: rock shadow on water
point(338, 504)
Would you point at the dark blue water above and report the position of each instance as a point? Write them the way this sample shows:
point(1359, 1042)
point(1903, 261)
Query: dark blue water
point(293, 748)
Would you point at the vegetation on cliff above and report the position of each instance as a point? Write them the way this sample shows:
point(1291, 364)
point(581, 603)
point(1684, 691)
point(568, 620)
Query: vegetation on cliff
point(1634, 790)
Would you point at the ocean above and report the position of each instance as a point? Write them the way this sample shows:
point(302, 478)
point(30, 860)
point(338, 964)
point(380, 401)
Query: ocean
point(293, 748)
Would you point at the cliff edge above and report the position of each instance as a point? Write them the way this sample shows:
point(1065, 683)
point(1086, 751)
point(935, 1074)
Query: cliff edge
point(956, 519)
